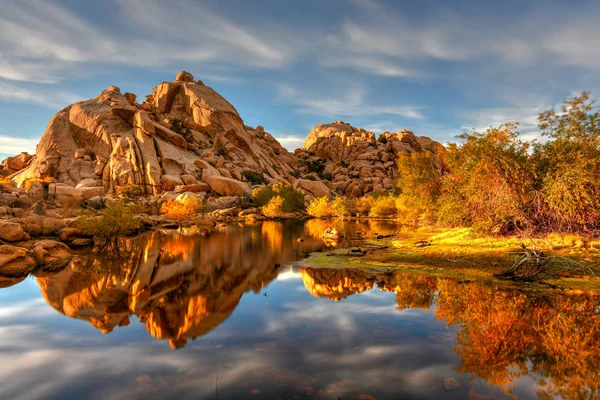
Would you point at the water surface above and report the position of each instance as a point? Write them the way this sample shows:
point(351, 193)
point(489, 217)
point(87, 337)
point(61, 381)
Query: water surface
point(234, 314)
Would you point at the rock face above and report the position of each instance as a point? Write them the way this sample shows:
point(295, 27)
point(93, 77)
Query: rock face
point(186, 137)
point(354, 161)
point(184, 130)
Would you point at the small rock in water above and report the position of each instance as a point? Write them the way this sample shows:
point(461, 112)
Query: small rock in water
point(451, 383)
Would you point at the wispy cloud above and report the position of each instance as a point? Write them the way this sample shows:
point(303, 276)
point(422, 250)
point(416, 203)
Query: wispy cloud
point(350, 102)
point(9, 146)
point(37, 94)
point(42, 41)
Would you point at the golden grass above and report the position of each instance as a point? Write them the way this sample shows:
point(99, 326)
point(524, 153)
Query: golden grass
point(461, 253)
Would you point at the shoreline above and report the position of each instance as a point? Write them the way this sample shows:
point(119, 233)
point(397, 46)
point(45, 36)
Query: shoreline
point(458, 253)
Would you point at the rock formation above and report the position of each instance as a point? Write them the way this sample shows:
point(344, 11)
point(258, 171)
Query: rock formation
point(185, 137)
point(183, 134)
point(353, 161)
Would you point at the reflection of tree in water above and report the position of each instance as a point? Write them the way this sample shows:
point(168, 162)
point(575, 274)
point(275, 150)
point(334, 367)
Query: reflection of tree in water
point(502, 334)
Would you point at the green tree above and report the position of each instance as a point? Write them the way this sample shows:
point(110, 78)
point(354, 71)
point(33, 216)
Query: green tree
point(420, 183)
point(489, 182)
point(568, 166)
point(293, 200)
point(116, 220)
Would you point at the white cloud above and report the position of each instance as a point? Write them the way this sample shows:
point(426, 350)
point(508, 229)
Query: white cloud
point(13, 145)
point(44, 42)
point(289, 142)
point(38, 94)
point(371, 66)
point(350, 102)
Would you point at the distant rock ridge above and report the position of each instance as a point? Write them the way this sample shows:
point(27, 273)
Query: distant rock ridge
point(355, 160)
point(185, 137)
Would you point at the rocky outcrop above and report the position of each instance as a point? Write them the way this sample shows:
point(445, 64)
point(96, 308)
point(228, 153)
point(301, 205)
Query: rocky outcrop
point(183, 132)
point(353, 162)
point(187, 137)
point(11, 232)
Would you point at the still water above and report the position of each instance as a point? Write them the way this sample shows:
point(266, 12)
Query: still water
point(234, 314)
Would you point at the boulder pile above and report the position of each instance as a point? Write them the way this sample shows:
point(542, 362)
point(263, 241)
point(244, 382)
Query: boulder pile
point(354, 162)
point(186, 138)
point(183, 137)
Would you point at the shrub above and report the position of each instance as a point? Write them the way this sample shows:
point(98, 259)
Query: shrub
point(419, 184)
point(363, 205)
point(44, 181)
point(221, 151)
point(384, 206)
point(568, 166)
point(274, 207)
point(182, 210)
point(254, 177)
point(317, 166)
point(490, 179)
point(178, 127)
point(326, 175)
point(319, 208)
point(117, 219)
point(130, 191)
point(339, 207)
point(293, 200)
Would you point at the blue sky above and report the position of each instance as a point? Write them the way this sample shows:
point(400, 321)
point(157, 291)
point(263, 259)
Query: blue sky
point(434, 67)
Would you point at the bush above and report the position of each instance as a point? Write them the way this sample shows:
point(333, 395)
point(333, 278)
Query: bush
point(326, 175)
point(293, 200)
point(274, 207)
point(419, 184)
point(339, 207)
point(317, 166)
point(490, 179)
point(319, 208)
point(177, 127)
point(568, 166)
point(363, 205)
point(254, 177)
point(130, 191)
point(182, 210)
point(117, 219)
point(384, 206)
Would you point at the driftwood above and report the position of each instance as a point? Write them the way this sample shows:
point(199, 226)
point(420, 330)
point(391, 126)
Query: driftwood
point(531, 263)
point(422, 243)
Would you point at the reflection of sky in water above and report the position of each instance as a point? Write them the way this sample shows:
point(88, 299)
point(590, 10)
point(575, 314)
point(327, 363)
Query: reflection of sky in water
point(288, 343)
point(293, 343)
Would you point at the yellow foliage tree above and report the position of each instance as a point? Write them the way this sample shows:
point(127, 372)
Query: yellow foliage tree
point(182, 210)
point(319, 208)
point(274, 207)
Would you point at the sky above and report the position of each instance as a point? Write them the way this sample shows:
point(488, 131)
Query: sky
point(434, 67)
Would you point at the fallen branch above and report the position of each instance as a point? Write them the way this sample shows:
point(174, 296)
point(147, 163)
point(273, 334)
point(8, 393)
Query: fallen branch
point(533, 262)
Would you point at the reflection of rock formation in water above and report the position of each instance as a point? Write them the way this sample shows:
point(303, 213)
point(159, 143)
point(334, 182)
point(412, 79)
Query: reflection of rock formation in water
point(181, 287)
point(337, 283)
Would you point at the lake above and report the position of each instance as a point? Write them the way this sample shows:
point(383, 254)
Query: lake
point(233, 313)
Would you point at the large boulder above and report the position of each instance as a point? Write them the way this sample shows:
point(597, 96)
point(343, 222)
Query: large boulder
point(316, 188)
point(15, 261)
point(182, 129)
point(227, 186)
point(11, 231)
point(50, 254)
